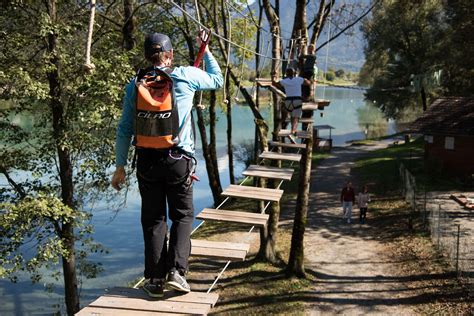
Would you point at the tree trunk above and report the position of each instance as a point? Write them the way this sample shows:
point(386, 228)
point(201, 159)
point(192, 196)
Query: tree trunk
point(423, 98)
point(320, 20)
point(212, 173)
point(128, 26)
point(213, 140)
point(296, 259)
point(268, 234)
point(65, 168)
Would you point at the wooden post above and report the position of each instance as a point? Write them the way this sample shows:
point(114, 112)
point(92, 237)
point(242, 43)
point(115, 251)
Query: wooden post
point(457, 250)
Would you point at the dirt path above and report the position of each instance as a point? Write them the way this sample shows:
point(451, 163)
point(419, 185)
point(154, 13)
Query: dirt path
point(354, 276)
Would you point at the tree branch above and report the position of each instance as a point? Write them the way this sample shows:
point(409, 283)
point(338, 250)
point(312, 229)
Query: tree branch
point(348, 26)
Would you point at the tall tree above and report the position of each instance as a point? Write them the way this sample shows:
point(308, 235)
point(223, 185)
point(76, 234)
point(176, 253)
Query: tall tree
point(67, 149)
point(128, 25)
point(268, 235)
point(403, 40)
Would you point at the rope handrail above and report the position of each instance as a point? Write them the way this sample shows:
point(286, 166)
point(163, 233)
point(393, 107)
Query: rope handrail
point(253, 227)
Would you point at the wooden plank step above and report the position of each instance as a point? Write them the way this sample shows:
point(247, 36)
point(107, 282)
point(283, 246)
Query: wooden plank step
point(302, 120)
point(299, 134)
point(256, 219)
point(191, 297)
point(219, 250)
point(134, 301)
point(288, 145)
point(105, 311)
point(317, 104)
point(262, 194)
point(280, 156)
point(269, 172)
point(263, 82)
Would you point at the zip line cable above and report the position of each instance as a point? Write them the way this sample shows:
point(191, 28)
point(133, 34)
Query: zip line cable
point(253, 21)
point(218, 35)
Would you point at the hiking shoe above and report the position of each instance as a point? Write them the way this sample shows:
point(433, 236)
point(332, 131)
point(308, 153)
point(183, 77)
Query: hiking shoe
point(177, 282)
point(154, 288)
point(292, 139)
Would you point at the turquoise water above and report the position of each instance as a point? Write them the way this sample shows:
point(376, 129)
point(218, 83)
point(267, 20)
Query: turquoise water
point(120, 232)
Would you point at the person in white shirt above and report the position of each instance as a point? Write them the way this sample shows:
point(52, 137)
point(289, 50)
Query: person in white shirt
point(293, 102)
point(363, 200)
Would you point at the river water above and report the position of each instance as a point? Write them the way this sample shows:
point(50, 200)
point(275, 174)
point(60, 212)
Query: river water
point(120, 232)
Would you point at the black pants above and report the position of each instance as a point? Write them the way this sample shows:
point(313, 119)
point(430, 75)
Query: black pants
point(363, 214)
point(164, 179)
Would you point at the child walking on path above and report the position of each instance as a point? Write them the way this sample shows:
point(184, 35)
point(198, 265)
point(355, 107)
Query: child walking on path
point(347, 199)
point(363, 200)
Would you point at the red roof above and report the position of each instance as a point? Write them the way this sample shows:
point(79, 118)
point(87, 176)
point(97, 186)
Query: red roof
point(447, 116)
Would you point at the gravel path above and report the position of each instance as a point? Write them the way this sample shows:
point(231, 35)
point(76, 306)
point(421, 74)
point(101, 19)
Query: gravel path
point(353, 274)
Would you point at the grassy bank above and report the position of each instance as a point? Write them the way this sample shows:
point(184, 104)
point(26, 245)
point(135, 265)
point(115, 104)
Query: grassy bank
point(380, 169)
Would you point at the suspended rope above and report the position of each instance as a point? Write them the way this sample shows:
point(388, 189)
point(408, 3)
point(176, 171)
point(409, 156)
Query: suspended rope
point(253, 21)
point(226, 75)
point(199, 104)
point(88, 65)
point(217, 34)
point(242, 61)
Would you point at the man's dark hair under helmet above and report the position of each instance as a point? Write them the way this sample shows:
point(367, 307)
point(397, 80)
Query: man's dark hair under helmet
point(290, 72)
point(157, 43)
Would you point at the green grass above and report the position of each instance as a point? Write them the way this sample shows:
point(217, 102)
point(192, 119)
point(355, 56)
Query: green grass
point(380, 170)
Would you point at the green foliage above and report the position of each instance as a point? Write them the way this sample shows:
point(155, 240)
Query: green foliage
point(339, 73)
point(330, 75)
point(407, 42)
point(32, 212)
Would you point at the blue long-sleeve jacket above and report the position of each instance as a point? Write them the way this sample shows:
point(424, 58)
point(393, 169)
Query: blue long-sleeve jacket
point(186, 80)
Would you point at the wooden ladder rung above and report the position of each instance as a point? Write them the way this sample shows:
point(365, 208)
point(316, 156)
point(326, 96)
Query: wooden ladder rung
point(280, 156)
point(129, 301)
point(256, 219)
point(219, 250)
point(262, 194)
point(299, 134)
point(288, 145)
point(269, 172)
point(302, 120)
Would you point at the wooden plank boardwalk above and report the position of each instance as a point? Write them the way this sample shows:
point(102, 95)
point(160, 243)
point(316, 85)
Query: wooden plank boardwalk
point(269, 172)
point(219, 250)
point(299, 134)
point(287, 145)
point(135, 302)
point(129, 301)
point(248, 218)
point(262, 194)
point(280, 156)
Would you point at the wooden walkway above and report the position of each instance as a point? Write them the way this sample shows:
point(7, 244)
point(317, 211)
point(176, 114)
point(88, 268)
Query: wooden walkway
point(131, 301)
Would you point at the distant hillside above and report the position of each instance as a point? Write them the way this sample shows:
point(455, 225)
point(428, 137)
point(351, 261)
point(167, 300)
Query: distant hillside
point(345, 52)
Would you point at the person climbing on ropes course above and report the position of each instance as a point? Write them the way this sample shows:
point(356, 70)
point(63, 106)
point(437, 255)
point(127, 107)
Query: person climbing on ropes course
point(309, 63)
point(156, 111)
point(293, 102)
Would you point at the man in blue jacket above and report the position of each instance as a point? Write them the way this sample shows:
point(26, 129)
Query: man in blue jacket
point(164, 175)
